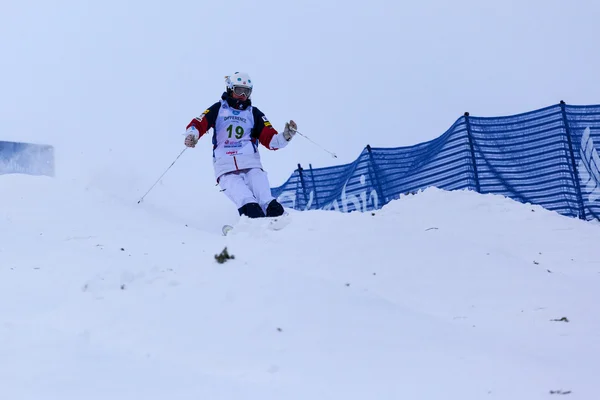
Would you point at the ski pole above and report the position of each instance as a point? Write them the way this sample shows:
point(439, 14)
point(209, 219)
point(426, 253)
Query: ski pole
point(333, 154)
point(158, 180)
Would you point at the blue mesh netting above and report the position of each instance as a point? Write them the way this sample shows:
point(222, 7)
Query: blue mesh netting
point(26, 158)
point(546, 157)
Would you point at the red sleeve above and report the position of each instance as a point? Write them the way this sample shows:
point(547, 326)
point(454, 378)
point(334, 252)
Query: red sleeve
point(263, 130)
point(265, 136)
point(200, 123)
point(206, 120)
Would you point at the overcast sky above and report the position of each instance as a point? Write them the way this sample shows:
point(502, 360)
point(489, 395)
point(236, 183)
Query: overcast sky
point(112, 84)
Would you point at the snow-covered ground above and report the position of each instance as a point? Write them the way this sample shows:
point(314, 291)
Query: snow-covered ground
point(439, 295)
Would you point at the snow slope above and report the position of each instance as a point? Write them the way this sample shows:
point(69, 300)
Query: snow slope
point(439, 295)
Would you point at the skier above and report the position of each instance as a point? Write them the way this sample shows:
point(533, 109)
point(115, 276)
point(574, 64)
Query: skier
point(238, 128)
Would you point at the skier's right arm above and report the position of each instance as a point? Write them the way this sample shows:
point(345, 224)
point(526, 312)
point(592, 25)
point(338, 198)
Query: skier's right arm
point(201, 124)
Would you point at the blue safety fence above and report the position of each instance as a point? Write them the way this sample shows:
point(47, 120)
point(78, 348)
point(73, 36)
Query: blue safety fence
point(26, 158)
point(546, 157)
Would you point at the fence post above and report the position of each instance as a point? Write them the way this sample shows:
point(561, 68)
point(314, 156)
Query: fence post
point(377, 182)
point(476, 175)
point(303, 184)
point(575, 173)
point(312, 176)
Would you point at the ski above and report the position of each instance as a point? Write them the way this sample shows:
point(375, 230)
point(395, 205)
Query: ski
point(274, 223)
point(226, 229)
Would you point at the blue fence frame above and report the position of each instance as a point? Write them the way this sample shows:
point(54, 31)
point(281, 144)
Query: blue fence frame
point(546, 157)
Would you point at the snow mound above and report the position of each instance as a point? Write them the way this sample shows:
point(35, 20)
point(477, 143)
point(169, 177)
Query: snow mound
point(452, 295)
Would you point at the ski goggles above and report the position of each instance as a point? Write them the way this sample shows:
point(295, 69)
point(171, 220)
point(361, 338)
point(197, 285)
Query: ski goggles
point(242, 90)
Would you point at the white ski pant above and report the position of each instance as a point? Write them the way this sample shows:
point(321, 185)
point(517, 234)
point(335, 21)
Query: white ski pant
point(247, 186)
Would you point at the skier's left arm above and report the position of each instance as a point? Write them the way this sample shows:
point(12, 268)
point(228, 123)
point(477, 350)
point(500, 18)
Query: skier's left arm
point(267, 135)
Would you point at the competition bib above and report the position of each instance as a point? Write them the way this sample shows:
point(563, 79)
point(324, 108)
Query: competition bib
point(232, 131)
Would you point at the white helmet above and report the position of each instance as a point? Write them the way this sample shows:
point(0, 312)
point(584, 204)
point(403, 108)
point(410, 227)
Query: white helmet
point(241, 81)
